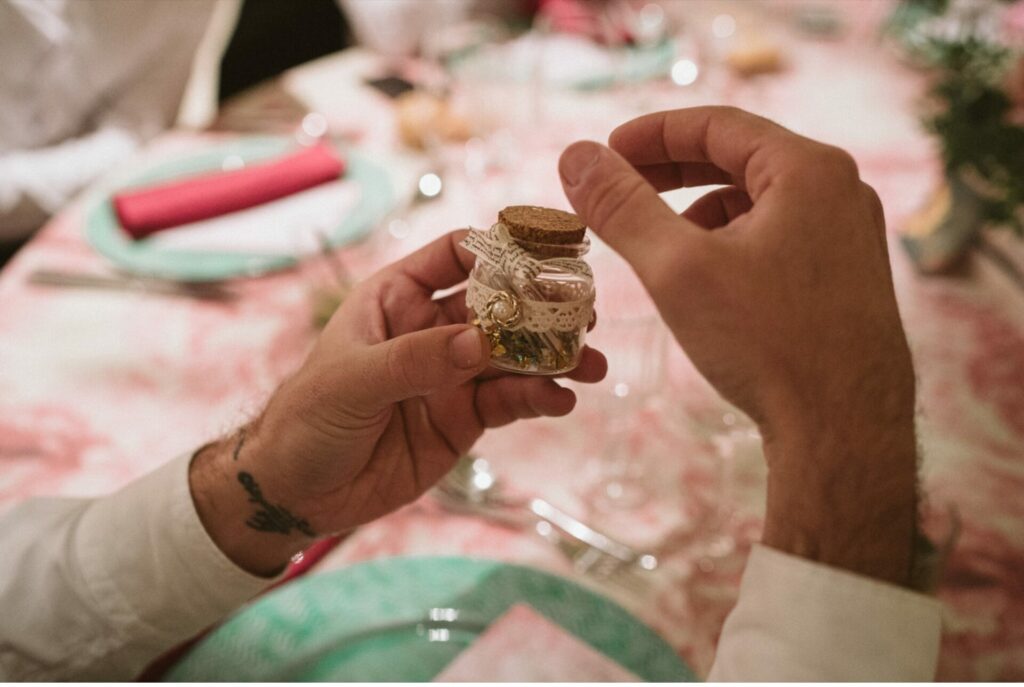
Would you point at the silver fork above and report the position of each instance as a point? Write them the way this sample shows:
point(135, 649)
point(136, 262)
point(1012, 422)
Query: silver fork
point(586, 559)
point(471, 488)
point(600, 566)
point(472, 483)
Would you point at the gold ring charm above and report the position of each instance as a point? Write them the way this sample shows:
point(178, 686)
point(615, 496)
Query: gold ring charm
point(504, 310)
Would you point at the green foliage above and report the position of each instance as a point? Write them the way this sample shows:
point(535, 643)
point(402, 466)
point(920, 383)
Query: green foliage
point(971, 114)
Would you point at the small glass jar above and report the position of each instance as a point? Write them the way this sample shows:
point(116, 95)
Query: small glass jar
point(536, 325)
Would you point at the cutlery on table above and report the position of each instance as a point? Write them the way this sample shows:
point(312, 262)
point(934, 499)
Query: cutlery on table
point(165, 287)
point(471, 487)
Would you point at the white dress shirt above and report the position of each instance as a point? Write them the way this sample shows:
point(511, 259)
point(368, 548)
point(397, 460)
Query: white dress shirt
point(95, 589)
point(82, 84)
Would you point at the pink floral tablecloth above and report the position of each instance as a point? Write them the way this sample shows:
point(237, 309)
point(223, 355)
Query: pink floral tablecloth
point(97, 388)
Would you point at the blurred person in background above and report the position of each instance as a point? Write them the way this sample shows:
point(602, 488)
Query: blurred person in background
point(84, 84)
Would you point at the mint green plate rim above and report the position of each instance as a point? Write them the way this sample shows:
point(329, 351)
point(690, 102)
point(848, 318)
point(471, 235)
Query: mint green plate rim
point(303, 621)
point(637, 63)
point(104, 233)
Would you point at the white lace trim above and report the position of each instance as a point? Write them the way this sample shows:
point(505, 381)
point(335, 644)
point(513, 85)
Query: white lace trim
point(536, 316)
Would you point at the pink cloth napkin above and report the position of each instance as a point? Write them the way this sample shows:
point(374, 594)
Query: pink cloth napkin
point(585, 19)
point(147, 210)
point(524, 646)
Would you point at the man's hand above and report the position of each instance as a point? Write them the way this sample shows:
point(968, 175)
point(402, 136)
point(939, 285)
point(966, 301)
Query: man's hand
point(778, 287)
point(396, 389)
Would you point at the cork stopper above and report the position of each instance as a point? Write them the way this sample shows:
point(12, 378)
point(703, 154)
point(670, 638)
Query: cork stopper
point(542, 225)
point(542, 230)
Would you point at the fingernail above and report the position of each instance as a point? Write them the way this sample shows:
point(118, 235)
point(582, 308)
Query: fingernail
point(577, 159)
point(467, 349)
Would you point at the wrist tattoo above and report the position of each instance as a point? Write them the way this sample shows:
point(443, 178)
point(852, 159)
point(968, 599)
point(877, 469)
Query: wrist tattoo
point(271, 518)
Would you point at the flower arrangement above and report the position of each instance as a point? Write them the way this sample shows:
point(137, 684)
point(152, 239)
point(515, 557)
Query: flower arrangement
point(974, 50)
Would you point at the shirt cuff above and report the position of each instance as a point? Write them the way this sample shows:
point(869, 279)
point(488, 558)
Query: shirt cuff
point(797, 620)
point(150, 565)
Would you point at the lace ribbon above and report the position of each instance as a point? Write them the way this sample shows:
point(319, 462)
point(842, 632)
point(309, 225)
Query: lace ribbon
point(537, 316)
point(520, 308)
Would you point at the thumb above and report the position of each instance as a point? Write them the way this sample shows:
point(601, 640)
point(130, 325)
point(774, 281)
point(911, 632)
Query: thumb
point(621, 207)
point(419, 363)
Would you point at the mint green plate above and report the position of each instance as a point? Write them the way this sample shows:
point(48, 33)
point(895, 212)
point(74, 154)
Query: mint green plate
point(373, 622)
point(633, 65)
point(104, 232)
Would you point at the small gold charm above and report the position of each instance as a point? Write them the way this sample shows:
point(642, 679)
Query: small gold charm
point(504, 310)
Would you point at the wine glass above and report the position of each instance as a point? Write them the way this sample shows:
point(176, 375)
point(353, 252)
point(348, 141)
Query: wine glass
point(735, 442)
point(635, 348)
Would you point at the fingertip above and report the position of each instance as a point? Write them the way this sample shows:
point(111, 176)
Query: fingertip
point(469, 349)
point(549, 399)
point(599, 366)
point(563, 401)
point(623, 138)
point(592, 368)
point(617, 203)
point(615, 138)
point(577, 159)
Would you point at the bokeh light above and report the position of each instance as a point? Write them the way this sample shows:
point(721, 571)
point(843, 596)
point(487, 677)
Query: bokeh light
point(684, 72)
point(430, 185)
point(723, 26)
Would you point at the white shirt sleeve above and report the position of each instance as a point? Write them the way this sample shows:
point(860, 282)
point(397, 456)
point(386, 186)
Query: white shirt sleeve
point(47, 178)
point(95, 589)
point(83, 85)
point(797, 620)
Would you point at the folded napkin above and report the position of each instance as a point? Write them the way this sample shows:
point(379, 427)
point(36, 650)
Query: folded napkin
point(524, 646)
point(286, 227)
point(145, 211)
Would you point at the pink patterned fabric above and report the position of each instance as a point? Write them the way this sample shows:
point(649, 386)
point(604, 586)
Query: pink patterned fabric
point(97, 388)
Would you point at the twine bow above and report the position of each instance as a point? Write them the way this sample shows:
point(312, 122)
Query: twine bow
point(497, 248)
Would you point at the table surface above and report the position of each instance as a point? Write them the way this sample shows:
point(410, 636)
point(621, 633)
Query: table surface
point(97, 388)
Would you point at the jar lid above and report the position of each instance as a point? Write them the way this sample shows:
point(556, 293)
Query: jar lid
point(542, 225)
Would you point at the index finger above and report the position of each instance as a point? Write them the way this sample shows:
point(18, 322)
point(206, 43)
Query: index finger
point(439, 264)
point(739, 143)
